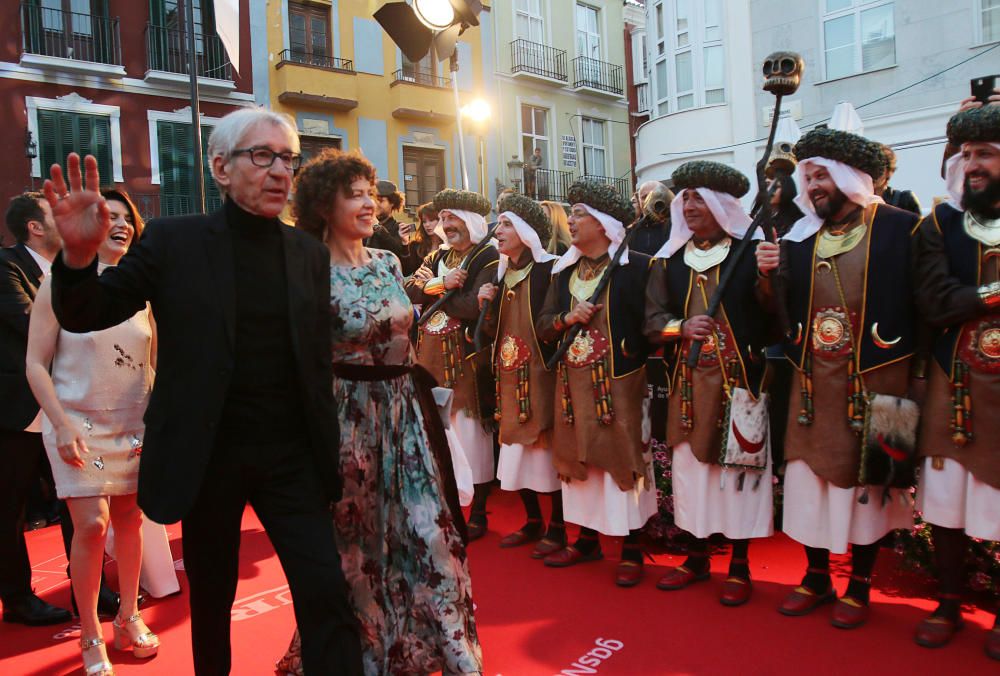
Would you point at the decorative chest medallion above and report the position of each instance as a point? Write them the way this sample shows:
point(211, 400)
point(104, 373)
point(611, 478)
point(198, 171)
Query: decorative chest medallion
point(831, 335)
point(440, 323)
point(514, 353)
point(979, 346)
point(588, 346)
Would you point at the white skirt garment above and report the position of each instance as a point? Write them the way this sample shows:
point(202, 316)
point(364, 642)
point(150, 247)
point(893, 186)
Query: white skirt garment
point(819, 514)
point(527, 467)
point(598, 503)
point(951, 497)
point(706, 499)
point(477, 444)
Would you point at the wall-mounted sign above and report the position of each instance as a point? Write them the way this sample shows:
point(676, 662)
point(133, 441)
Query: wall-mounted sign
point(568, 151)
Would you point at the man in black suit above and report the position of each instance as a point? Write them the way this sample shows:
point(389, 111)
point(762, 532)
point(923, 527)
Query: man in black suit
point(242, 409)
point(22, 268)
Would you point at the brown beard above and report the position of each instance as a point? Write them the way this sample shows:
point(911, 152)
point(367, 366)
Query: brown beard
point(983, 202)
point(832, 206)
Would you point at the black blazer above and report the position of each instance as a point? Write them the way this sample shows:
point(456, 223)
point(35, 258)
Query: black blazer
point(184, 267)
point(20, 278)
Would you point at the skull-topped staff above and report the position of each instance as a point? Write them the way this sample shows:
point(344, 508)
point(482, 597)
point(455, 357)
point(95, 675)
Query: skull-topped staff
point(782, 73)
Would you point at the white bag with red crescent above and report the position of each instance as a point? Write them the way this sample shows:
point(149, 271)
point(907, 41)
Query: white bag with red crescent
point(746, 437)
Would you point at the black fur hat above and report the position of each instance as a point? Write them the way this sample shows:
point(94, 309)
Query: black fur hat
point(603, 197)
point(712, 175)
point(975, 125)
point(842, 146)
point(529, 210)
point(463, 200)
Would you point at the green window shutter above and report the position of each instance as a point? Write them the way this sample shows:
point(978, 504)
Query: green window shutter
point(61, 133)
point(177, 170)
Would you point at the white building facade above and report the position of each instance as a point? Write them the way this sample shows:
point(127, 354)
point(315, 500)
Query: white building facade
point(904, 64)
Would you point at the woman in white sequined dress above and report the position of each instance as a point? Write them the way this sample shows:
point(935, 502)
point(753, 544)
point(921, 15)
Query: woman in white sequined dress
point(93, 389)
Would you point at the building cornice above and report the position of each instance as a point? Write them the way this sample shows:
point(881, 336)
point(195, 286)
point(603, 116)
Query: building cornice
point(125, 85)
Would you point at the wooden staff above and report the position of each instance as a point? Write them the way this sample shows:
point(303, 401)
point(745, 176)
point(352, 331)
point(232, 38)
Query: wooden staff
point(476, 250)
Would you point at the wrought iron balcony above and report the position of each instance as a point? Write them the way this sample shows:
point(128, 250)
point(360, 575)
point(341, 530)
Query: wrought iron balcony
point(167, 51)
point(535, 59)
point(315, 60)
point(621, 185)
point(598, 75)
point(547, 184)
point(420, 77)
point(70, 35)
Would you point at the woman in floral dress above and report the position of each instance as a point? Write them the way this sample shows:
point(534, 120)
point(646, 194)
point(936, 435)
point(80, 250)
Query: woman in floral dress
point(398, 525)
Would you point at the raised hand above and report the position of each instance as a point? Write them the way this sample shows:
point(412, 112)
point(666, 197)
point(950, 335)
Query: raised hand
point(81, 214)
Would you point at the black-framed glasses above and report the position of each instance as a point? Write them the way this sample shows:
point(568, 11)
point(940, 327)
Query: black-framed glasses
point(265, 157)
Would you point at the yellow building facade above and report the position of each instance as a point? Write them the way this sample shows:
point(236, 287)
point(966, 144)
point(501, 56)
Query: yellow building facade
point(332, 68)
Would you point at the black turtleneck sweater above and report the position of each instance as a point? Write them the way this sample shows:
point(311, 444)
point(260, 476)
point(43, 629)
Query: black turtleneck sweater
point(263, 405)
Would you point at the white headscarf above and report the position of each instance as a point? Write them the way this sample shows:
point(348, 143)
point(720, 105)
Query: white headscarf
point(856, 185)
point(475, 223)
point(726, 209)
point(613, 229)
point(954, 177)
point(529, 238)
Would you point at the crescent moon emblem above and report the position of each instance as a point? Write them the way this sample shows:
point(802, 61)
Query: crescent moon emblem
point(798, 335)
point(745, 444)
point(992, 251)
point(822, 265)
point(884, 344)
point(702, 279)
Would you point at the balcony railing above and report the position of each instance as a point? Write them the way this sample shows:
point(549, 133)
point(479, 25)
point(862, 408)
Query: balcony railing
point(619, 184)
point(167, 50)
point(531, 57)
point(642, 98)
point(70, 35)
point(547, 184)
point(420, 77)
point(317, 60)
point(599, 75)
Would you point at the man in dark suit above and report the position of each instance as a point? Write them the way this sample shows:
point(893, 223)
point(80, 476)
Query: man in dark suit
point(387, 235)
point(22, 268)
point(242, 409)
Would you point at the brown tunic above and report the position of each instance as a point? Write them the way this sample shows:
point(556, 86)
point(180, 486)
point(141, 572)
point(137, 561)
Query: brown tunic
point(829, 446)
point(617, 448)
point(980, 455)
point(705, 436)
point(517, 333)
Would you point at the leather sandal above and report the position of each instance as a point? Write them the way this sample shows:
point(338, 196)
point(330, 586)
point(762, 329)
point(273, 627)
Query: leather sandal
point(570, 556)
point(682, 576)
point(530, 532)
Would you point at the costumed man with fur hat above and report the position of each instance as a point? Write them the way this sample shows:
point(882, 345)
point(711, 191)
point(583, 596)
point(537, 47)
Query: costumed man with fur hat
point(717, 423)
point(846, 266)
point(601, 434)
point(957, 270)
point(525, 388)
point(444, 341)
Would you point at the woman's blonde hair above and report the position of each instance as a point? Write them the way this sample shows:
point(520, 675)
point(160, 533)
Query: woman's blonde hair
point(560, 226)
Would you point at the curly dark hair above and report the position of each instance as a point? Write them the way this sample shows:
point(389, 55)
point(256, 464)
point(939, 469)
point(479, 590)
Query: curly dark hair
point(320, 181)
point(23, 208)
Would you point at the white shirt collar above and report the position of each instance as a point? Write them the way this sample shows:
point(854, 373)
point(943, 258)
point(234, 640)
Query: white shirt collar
point(43, 263)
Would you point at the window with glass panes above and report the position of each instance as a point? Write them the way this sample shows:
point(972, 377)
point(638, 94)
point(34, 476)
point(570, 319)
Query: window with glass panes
point(988, 20)
point(177, 169)
point(528, 21)
point(423, 174)
point(858, 36)
point(311, 146)
point(689, 61)
point(534, 131)
point(61, 133)
point(588, 32)
point(594, 150)
point(308, 30)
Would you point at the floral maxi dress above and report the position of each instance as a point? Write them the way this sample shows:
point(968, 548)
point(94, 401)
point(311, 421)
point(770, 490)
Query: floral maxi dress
point(402, 556)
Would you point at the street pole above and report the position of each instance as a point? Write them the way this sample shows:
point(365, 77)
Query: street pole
point(453, 61)
point(483, 188)
point(198, 189)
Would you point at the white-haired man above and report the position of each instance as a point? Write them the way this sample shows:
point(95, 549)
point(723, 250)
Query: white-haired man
point(242, 408)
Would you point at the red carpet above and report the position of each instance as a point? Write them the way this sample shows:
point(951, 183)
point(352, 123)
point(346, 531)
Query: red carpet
point(534, 620)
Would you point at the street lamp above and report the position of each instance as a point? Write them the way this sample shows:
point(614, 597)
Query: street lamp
point(479, 112)
point(515, 170)
point(432, 25)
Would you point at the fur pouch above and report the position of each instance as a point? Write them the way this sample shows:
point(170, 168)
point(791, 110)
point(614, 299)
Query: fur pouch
point(889, 444)
point(746, 439)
